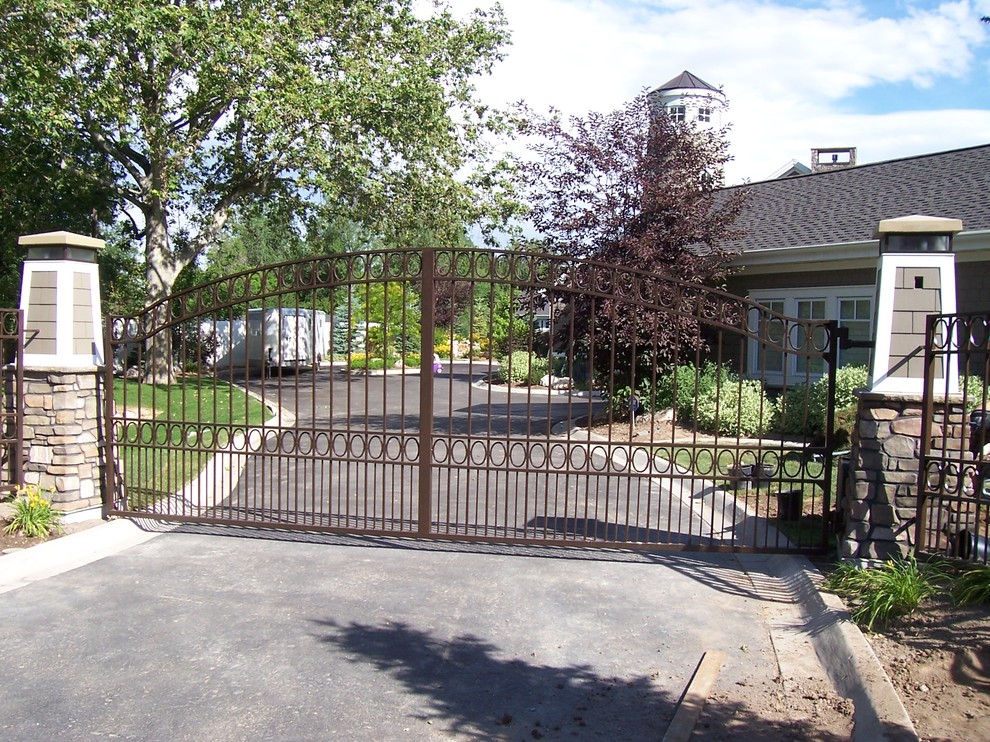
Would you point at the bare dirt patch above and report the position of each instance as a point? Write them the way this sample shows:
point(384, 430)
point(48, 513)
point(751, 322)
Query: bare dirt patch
point(939, 662)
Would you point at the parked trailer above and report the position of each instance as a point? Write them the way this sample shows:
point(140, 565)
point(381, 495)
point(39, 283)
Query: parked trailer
point(322, 334)
point(281, 338)
point(223, 343)
point(268, 338)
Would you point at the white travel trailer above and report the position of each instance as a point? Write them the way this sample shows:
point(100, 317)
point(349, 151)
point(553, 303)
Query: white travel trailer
point(223, 343)
point(270, 338)
point(280, 338)
point(322, 335)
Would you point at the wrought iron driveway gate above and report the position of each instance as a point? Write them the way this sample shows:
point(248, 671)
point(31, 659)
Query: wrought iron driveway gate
point(954, 475)
point(306, 395)
point(12, 412)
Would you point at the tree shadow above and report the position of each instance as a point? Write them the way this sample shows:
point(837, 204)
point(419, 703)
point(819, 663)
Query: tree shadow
point(466, 688)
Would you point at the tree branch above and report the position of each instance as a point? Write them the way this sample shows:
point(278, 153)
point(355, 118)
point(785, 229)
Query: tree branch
point(136, 164)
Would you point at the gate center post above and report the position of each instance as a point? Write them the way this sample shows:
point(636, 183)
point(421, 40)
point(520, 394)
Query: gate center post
point(427, 280)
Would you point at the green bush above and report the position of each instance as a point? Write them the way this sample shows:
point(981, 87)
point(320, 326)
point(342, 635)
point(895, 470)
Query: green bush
point(522, 367)
point(365, 362)
point(976, 394)
point(802, 410)
point(796, 417)
point(735, 407)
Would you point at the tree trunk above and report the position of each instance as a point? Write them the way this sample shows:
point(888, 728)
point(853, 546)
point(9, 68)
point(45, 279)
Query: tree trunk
point(161, 270)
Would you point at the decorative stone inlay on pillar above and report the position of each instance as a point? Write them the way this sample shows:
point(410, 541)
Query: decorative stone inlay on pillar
point(63, 353)
point(881, 496)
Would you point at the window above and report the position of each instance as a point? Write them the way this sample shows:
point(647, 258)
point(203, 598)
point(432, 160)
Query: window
point(810, 309)
point(677, 113)
point(852, 306)
point(857, 315)
point(704, 115)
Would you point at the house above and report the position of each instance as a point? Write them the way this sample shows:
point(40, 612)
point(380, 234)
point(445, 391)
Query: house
point(809, 247)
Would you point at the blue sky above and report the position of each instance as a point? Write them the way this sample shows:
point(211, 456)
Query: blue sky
point(892, 78)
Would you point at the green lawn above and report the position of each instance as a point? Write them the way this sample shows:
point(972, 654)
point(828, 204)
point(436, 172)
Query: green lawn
point(171, 431)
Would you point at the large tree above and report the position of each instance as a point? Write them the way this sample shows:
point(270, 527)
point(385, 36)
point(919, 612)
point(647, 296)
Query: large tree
point(199, 106)
point(37, 196)
point(632, 188)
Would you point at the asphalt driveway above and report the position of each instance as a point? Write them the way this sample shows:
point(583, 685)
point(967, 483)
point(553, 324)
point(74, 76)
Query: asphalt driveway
point(197, 636)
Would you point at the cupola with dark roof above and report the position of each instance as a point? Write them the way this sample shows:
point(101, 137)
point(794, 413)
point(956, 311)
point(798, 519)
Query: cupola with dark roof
point(688, 98)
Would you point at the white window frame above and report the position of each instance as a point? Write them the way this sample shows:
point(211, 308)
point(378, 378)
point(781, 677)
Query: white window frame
point(831, 295)
point(678, 112)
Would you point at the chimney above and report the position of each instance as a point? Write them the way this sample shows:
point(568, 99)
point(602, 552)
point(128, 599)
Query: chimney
point(832, 158)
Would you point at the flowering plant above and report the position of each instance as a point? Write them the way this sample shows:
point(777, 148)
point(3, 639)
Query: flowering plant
point(34, 515)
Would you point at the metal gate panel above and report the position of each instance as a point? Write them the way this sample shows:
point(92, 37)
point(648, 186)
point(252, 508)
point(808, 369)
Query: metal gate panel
point(300, 392)
point(12, 412)
point(954, 471)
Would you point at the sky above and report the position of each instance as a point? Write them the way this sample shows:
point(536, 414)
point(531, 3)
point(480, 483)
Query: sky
point(891, 78)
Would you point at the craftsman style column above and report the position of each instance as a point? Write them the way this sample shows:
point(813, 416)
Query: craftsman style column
point(63, 350)
point(915, 278)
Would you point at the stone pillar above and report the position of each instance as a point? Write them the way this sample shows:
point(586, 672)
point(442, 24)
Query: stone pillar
point(881, 497)
point(63, 356)
point(61, 422)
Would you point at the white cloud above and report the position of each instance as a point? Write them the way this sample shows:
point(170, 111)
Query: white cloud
point(787, 71)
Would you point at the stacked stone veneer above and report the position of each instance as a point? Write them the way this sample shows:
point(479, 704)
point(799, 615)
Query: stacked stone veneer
point(881, 494)
point(61, 425)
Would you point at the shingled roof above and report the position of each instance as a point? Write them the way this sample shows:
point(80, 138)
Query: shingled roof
point(683, 81)
point(846, 205)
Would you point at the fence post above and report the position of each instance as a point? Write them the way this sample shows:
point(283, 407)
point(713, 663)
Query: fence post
point(63, 356)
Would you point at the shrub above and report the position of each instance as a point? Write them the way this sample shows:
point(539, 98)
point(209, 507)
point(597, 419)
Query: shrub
point(976, 393)
point(847, 380)
point(442, 350)
point(522, 367)
point(879, 594)
point(972, 586)
point(412, 359)
point(735, 407)
point(845, 424)
point(34, 515)
point(365, 362)
point(803, 409)
point(676, 389)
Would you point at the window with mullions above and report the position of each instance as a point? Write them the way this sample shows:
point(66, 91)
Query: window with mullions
point(857, 315)
point(810, 309)
point(705, 115)
point(677, 113)
point(849, 305)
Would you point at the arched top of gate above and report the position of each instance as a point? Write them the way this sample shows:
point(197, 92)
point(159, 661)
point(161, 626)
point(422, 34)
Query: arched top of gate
point(547, 276)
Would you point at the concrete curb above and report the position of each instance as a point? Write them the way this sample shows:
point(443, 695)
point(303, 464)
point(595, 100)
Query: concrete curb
point(843, 652)
point(68, 552)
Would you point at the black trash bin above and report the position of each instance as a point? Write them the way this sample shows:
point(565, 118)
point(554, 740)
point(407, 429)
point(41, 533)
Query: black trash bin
point(979, 431)
point(790, 504)
point(969, 545)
